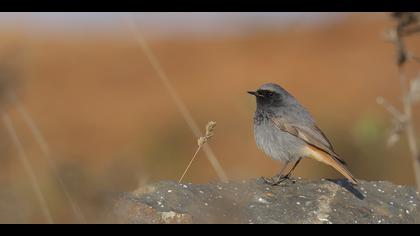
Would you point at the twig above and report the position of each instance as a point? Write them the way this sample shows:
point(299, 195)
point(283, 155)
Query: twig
point(410, 30)
point(392, 110)
point(39, 137)
point(27, 166)
point(175, 97)
point(409, 127)
point(407, 23)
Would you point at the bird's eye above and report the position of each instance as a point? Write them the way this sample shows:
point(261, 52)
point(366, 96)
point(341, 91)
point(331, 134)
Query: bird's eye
point(270, 93)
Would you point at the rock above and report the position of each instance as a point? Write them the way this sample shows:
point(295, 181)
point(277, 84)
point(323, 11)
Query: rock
point(324, 201)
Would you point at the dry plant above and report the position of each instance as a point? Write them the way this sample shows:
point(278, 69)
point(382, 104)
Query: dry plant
point(23, 158)
point(408, 23)
point(200, 142)
point(46, 151)
point(8, 80)
point(151, 57)
point(8, 99)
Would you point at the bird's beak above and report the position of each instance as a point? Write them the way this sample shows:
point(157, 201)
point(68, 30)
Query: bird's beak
point(255, 93)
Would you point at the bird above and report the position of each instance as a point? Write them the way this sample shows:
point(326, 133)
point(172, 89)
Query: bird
point(285, 131)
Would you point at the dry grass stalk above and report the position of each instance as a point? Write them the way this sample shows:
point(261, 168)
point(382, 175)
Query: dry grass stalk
point(174, 96)
point(27, 166)
point(210, 127)
point(9, 78)
point(42, 143)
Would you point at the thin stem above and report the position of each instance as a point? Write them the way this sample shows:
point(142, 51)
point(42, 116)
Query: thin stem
point(175, 97)
point(27, 166)
point(39, 137)
point(189, 164)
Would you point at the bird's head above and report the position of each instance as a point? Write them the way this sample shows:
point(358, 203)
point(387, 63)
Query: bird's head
point(270, 95)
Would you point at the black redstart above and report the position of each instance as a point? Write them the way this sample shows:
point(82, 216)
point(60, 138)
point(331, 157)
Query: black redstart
point(285, 131)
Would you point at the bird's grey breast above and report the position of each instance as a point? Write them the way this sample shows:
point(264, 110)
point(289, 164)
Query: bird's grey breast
point(274, 142)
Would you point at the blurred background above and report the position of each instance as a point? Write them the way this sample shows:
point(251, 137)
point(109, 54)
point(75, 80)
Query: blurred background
point(111, 126)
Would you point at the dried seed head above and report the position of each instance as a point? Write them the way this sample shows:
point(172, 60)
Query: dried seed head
point(201, 141)
point(210, 127)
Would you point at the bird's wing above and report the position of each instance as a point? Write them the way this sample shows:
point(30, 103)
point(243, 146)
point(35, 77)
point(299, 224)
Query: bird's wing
point(311, 135)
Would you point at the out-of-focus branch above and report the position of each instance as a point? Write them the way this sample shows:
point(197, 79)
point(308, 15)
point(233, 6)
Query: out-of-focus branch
point(399, 121)
point(409, 127)
point(408, 23)
point(391, 109)
point(411, 30)
point(413, 57)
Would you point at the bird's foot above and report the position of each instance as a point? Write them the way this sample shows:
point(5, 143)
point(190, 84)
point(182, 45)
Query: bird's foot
point(290, 178)
point(278, 179)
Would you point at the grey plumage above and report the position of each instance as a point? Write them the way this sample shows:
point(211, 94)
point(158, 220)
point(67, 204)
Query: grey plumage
point(285, 130)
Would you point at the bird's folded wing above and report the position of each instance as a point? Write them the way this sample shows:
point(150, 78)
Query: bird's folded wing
point(311, 135)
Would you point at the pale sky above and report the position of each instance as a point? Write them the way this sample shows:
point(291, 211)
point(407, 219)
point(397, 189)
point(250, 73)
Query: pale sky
point(162, 23)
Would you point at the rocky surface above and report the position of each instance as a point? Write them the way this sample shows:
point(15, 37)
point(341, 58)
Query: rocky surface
point(324, 201)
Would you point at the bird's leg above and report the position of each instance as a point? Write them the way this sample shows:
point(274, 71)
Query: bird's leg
point(280, 177)
point(277, 179)
point(291, 170)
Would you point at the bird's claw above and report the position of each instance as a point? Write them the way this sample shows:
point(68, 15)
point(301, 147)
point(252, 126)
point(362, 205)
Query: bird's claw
point(278, 179)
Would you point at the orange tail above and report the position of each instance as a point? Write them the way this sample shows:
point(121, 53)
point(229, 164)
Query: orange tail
point(321, 156)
